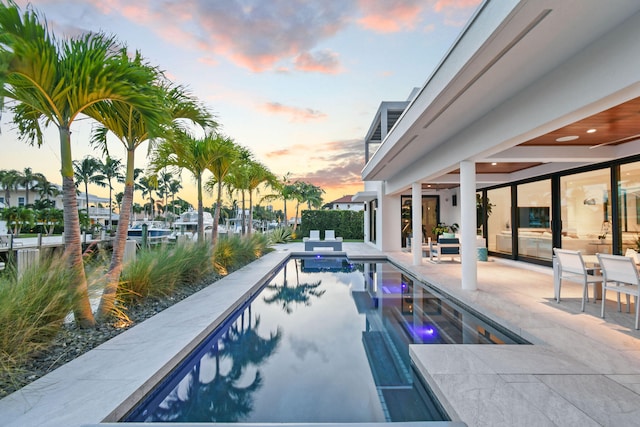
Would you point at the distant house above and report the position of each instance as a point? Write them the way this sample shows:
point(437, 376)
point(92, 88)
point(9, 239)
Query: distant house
point(97, 213)
point(344, 203)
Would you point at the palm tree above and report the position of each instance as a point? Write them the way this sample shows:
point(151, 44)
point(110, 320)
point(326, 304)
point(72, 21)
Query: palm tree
point(50, 217)
point(132, 129)
point(284, 190)
point(47, 190)
point(9, 181)
point(312, 196)
point(238, 179)
point(148, 184)
point(304, 192)
point(136, 209)
point(54, 81)
point(110, 169)
point(27, 179)
point(220, 168)
point(257, 174)
point(174, 188)
point(164, 178)
point(17, 217)
point(119, 197)
point(85, 172)
point(183, 151)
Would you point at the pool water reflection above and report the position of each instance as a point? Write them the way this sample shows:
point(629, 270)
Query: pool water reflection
point(324, 341)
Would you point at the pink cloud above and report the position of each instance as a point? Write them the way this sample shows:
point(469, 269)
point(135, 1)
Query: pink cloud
point(322, 62)
point(296, 114)
point(455, 11)
point(291, 150)
point(208, 61)
point(390, 16)
point(262, 35)
point(341, 163)
point(441, 5)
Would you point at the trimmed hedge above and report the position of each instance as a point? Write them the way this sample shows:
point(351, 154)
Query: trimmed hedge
point(347, 224)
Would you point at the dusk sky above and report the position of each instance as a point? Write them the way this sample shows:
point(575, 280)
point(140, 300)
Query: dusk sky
point(297, 82)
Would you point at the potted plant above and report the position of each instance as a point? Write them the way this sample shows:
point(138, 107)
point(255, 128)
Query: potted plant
point(482, 211)
point(442, 228)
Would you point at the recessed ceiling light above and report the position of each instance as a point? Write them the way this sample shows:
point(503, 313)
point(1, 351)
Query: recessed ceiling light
point(592, 131)
point(493, 164)
point(567, 138)
point(429, 185)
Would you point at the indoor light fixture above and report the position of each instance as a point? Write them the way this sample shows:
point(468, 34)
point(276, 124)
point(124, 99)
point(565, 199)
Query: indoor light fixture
point(567, 138)
point(591, 131)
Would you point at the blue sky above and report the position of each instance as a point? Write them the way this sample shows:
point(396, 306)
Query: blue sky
point(297, 82)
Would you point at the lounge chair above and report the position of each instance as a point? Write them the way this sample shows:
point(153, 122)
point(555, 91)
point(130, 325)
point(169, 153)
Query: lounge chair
point(445, 247)
point(331, 235)
point(330, 241)
point(314, 235)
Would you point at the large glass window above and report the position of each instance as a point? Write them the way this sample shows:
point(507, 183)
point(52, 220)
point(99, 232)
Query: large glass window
point(586, 211)
point(499, 220)
point(629, 198)
point(429, 218)
point(534, 220)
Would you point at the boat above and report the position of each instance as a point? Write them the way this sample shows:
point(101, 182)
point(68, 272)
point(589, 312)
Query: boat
point(156, 231)
point(187, 225)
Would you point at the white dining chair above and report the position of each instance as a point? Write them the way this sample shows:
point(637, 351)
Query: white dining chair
point(571, 265)
point(620, 275)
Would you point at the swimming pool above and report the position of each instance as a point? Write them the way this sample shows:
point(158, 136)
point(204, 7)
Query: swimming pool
point(324, 341)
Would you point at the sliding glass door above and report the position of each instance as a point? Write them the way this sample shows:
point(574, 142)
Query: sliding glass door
point(586, 211)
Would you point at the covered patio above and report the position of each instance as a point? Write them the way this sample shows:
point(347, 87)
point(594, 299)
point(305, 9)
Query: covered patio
point(527, 133)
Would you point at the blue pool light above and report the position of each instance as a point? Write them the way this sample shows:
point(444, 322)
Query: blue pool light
point(425, 332)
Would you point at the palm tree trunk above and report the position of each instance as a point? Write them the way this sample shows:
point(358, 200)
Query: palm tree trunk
point(73, 246)
point(250, 229)
point(110, 220)
point(286, 220)
point(86, 198)
point(200, 211)
point(216, 215)
point(295, 220)
point(112, 278)
point(243, 216)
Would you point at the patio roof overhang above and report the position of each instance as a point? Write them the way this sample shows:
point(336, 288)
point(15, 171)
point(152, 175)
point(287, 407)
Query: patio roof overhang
point(521, 83)
point(364, 196)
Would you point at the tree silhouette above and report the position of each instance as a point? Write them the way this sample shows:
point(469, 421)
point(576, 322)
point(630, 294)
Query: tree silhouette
point(221, 400)
point(289, 296)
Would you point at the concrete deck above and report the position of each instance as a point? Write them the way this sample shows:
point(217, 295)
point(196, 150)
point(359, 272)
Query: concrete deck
point(582, 370)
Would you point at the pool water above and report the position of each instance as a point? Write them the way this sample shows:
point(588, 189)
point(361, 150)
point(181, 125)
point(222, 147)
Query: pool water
point(325, 341)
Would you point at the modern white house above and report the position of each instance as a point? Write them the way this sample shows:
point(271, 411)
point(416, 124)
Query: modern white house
point(534, 112)
point(344, 203)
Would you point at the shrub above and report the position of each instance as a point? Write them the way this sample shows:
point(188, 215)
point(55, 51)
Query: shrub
point(280, 235)
point(347, 224)
point(32, 309)
point(157, 271)
point(236, 251)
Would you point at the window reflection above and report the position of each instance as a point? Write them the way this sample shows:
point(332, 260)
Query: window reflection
point(534, 220)
point(586, 211)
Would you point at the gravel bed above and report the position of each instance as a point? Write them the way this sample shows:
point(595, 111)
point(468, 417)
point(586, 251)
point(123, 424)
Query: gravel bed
point(72, 341)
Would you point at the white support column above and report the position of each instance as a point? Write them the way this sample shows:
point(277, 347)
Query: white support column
point(468, 225)
point(416, 222)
